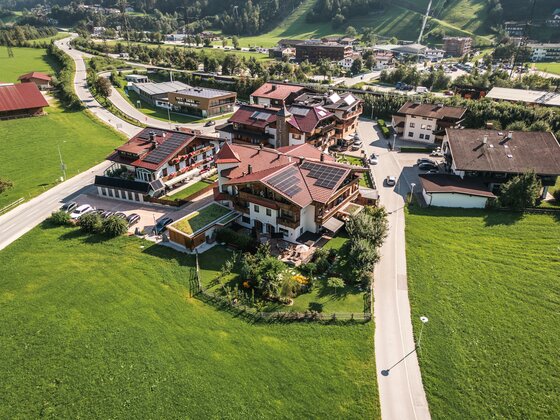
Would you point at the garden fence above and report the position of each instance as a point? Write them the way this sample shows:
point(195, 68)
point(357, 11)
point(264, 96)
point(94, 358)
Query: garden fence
point(276, 316)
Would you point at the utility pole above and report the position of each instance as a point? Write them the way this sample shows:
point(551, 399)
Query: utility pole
point(62, 165)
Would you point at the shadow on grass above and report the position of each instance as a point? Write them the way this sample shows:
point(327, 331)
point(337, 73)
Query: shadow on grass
point(491, 217)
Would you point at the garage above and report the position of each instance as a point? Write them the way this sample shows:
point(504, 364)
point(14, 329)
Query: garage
point(443, 190)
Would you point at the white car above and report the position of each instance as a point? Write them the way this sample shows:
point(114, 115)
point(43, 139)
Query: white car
point(81, 210)
point(356, 145)
point(373, 159)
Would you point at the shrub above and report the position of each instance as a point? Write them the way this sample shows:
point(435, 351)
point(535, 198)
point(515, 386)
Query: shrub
point(114, 226)
point(381, 123)
point(385, 131)
point(556, 195)
point(91, 223)
point(60, 218)
point(308, 269)
point(415, 149)
point(521, 191)
point(335, 283)
point(238, 240)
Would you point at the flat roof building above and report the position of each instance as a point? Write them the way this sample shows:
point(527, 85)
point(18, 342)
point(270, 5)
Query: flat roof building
point(457, 46)
point(532, 97)
point(202, 102)
point(315, 51)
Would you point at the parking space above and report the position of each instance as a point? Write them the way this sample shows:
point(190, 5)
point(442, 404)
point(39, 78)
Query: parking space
point(149, 213)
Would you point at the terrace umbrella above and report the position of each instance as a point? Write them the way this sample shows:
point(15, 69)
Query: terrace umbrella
point(302, 248)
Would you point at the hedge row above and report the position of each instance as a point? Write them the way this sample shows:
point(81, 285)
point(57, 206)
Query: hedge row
point(65, 78)
point(384, 129)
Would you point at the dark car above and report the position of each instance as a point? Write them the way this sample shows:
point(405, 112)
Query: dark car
point(132, 219)
point(427, 166)
point(68, 207)
point(426, 160)
point(120, 215)
point(210, 123)
point(107, 213)
point(99, 212)
point(162, 225)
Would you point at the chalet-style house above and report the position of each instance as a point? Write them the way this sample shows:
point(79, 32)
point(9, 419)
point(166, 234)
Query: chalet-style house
point(41, 80)
point(154, 160)
point(21, 100)
point(346, 107)
point(276, 95)
point(286, 191)
point(280, 127)
point(426, 122)
point(479, 161)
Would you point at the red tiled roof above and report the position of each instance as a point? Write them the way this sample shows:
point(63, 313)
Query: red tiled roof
point(266, 164)
point(227, 155)
point(247, 115)
point(35, 75)
point(276, 91)
point(308, 122)
point(21, 96)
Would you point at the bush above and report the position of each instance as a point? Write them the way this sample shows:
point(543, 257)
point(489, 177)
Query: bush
point(233, 238)
point(385, 131)
point(556, 195)
point(114, 226)
point(381, 123)
point(521, 191)
point(91, 223)
point(335, 283)
point(60, 218)
point(415, 149)
point(308, 269)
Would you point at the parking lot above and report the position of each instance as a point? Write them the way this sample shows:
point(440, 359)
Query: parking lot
point(149, 213)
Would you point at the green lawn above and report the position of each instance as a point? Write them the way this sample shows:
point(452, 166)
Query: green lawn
point(106, 329)
point(29, 146)
point(25, 60)
point(190, 190)
point(198, 219)
point(489, 283)
point(548, 67)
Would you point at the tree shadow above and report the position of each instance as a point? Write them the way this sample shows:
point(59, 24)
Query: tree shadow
point(504, 218)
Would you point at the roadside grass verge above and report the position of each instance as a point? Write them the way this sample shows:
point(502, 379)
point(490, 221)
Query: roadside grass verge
point(488, 282)
point(107, 328)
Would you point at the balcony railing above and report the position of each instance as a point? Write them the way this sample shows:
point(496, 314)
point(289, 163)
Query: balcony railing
point(288, 221)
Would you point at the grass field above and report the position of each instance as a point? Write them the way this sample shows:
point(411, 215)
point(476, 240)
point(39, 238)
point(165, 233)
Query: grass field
point(548, 67)
point(29, 146)
point(489, 284)
point(188, 191)
point(25, 60)
point(112, 333)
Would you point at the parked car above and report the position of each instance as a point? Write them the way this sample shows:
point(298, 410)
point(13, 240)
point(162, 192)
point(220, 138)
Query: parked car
point(162, 225)
point(356, 145)
point(337, 148)
point(210, 123)
point(426, 160)
point(373, 159)
point(81, 210)
point(426, 166)
point(99, 212)
point(390, 180)
point(107, 213)
point(69, 207)
point(433, 171)
point(120, 215)
point(132, 219)
point(436, 153)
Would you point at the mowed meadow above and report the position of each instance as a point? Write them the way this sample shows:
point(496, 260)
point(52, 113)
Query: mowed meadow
point(489, 283)
point(107, 329)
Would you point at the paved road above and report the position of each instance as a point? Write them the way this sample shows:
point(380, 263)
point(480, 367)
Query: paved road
point(80, 86)
point(26, 216)
point(23, 218)
point(401, 393)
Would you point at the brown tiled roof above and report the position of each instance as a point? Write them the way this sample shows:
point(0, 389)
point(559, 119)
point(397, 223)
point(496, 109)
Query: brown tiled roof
point(35, 75)
point(247, 115)
point(21, 96)
point(308, 122)
point(267, 164)
point(452, 184)
point(277, 91)
point(432, 111)
point(525, 151)
point(227, 155)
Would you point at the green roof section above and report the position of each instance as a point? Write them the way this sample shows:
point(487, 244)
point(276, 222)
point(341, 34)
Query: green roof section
point(206, 216)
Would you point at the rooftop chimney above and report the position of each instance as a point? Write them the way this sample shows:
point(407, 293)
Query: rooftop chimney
point(485, 139)
point(273, 87)
point(489, 125)
point(509, 135)
point(152, 136)
point(322, 157)
point(249, 169)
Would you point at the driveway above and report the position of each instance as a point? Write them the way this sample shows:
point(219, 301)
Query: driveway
point(401, 392)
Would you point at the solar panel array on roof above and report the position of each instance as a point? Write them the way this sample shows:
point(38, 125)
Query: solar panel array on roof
point(261, 116)
point(300, 112)
point(287, 181)
point(326, 176)
point(349, 99)
point(162, 152)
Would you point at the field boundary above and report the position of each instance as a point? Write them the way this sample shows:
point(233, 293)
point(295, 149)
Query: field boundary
point(252, 315)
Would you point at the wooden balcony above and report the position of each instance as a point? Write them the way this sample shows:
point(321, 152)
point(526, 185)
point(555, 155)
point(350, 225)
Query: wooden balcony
point(292, 223)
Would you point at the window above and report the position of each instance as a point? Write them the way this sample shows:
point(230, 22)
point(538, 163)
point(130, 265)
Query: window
point(164, 172)
point(177, 166)
point(256, 208)
point(411, 125)
point(296, 136)
point(429, 127)
point(246, 219)
point(427, 137)
point(423, 126)
point(410, 134)
point(283, 231)
point(421, 136)
point(268, 212)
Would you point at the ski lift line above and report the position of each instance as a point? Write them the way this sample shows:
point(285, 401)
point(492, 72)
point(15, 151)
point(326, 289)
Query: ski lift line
point(424, 21)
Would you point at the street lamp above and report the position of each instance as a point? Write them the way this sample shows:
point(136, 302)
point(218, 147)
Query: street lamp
point(62, 165)
point(394, 140)
point(412, 185)
point(424, 320)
